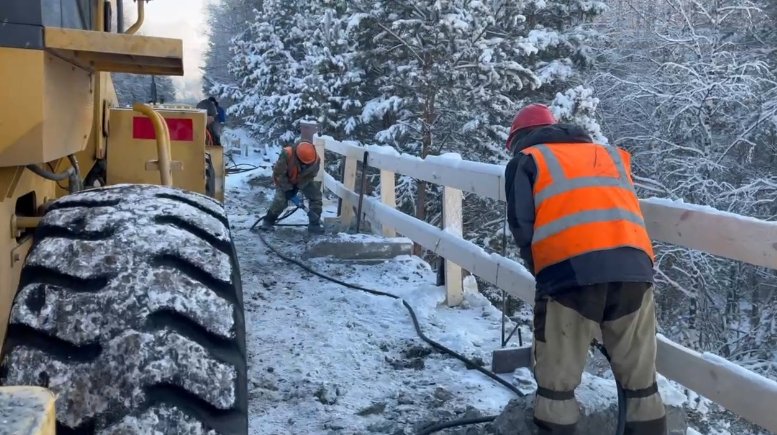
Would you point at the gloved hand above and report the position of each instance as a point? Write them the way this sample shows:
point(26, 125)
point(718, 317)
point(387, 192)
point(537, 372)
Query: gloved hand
point(296, 200)
point(291, 193)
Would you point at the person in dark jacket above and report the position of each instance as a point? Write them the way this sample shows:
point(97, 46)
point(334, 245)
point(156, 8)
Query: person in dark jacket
point(221, 116)
point(576, 219)
point(211, 124)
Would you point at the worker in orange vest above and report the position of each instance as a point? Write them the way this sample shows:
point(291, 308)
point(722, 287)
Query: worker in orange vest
point(294, 172)
point(574, 215)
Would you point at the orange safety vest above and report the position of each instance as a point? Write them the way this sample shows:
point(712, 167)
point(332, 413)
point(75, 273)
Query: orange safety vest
point(584, 201)
point(292, 165)
point(292, 168)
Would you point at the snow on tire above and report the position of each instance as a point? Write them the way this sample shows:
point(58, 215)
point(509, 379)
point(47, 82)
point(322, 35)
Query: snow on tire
point(130, 310)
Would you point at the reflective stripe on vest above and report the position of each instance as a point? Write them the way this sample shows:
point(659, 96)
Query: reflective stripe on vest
point(563, 184)
point(584, 217)
point(584, 201)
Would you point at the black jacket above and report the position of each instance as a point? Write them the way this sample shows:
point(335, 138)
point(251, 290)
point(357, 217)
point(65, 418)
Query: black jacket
point(613, 265)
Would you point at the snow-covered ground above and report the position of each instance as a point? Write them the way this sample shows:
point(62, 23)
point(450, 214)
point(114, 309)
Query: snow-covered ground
point(324, 359)
point(327, 359)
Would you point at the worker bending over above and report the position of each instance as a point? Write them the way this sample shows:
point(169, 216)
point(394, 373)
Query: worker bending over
point(294, 172)
point(575, 216)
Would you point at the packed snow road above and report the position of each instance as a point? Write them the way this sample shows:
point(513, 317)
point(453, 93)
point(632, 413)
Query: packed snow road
point(327, 359)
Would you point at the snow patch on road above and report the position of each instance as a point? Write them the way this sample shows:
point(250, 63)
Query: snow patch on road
point(327, 359)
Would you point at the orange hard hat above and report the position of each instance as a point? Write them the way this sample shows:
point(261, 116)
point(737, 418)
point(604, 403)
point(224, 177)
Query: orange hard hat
point(306, 153)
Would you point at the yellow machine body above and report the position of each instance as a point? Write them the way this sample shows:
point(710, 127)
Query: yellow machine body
point(216, 153)
point(34, 127)
point(132, 151)
point(57, 102)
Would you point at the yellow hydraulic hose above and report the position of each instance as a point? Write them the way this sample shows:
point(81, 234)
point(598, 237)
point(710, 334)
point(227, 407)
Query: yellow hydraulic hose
point(141, 16)
point(27, 221)
point(162, 141)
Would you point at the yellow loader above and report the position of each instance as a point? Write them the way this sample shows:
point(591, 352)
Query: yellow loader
point(121, 310)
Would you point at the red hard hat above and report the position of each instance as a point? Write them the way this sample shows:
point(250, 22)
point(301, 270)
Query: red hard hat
point(533, 115)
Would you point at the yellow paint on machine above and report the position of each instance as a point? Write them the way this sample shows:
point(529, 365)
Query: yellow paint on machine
point(43, 119)
point(115, 52)
point(130, 160)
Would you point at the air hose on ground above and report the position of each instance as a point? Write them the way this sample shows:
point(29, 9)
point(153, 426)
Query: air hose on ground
point(280, 218)
point(440, 347)
point(416, 325)
point(237, 168)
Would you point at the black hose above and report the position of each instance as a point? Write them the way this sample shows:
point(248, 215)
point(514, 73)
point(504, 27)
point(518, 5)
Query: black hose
point(282, 217)
point(469, 363)
point(74, 164)
point(61, 176)
point(73, 174)
point(240, 168)
point(504, 293)
point(76, 184)
point(456, 423)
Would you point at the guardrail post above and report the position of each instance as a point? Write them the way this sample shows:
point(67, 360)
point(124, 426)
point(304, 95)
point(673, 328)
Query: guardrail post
point(388, 197)
point(452, 223)
point(349, 181)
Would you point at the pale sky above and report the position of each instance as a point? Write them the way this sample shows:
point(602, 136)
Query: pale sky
point(185, 20)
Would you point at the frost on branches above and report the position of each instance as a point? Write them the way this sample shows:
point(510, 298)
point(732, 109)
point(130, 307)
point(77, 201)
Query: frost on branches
point(290, 64)
point(449, 75)
point(423, 77)
point(420, 76)
point(226, 20)
point(136, 88)
point(690, 91)
point(578, 106)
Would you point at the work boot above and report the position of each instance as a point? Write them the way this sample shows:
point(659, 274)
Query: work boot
point(268, 222)
point(314, 224)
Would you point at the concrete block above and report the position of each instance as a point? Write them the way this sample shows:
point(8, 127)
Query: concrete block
point(335, 225)
point(359, 247)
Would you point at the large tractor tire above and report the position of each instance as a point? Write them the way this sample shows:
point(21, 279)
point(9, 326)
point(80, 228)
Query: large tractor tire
point(130, 309)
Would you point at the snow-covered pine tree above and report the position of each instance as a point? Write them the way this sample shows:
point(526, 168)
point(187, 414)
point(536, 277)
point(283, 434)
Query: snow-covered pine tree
point(266, 60)
point(448, 75)
point(451, 74)
point(691, 96)
point(138, 88)
point(292, 63)
point(334, 78)
point(226, 19)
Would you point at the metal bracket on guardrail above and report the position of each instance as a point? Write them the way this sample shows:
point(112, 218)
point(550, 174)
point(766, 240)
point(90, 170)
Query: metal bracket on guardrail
point(361, 191)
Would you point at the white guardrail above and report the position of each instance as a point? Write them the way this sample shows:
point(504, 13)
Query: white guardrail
point(728, 235)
